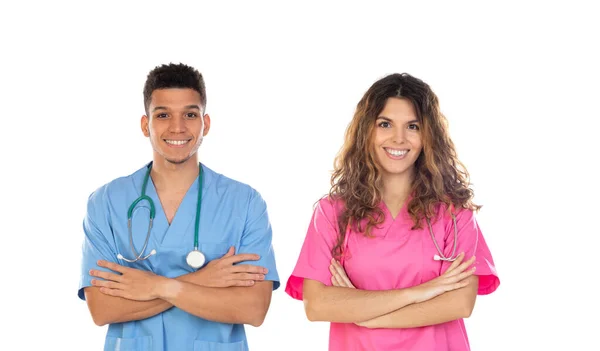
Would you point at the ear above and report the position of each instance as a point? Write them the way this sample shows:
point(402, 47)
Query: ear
point(206, 118)
point(145, 125)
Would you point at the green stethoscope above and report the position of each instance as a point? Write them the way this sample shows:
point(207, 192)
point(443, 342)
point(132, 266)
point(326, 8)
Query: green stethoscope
point(195, 258)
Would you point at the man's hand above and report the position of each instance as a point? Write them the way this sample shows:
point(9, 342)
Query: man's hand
point(131, 283)
point(222, 273)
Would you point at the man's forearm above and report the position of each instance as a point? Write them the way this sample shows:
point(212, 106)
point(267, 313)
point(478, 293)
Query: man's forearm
point(107, 309)
point(235, 305)
point(345, 305)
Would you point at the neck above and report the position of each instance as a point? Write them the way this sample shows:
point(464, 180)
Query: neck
point(396, 189)
point(174, 177)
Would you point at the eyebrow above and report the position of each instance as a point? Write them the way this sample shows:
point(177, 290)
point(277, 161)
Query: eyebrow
point(188, 107)
point(389, 120)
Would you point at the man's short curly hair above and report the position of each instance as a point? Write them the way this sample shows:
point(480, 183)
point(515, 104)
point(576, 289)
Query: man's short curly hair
point(174, 76)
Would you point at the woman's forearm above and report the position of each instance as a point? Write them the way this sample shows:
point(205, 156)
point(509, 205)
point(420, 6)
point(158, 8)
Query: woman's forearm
point(345, 305)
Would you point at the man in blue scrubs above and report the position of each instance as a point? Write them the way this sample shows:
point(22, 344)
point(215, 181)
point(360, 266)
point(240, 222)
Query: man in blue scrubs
point(152, 296)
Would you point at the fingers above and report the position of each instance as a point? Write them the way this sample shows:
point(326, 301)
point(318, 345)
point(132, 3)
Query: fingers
point(112, 292)
point(106, 275)
point(461, 268)
point(459, 278)
point(248, 268)
point(464, 275)
point(105, 284)
point(112, 266)
point(248, 276)
point(340, 274)
point(334, 281)
point(240, 258)
point(333, 271)
point(230, 252)
point(460, 284)
point(456, 263)
point(242, 283)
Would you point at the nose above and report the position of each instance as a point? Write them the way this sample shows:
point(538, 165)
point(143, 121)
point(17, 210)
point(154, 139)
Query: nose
point(399, 135)
point(177, 125)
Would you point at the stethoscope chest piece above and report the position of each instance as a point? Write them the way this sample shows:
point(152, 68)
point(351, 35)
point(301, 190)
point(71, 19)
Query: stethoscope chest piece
point(195, 259)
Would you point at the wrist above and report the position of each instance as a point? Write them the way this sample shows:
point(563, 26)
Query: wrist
point(167, 288)
point(197, 278)
point(409, 295)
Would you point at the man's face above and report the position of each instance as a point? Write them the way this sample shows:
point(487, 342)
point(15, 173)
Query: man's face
point(175, 124)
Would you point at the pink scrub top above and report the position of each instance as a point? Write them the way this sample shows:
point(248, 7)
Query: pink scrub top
point(395, 258)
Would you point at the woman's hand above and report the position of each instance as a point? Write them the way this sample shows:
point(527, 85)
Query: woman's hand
point(338, 275)
point(454, 278)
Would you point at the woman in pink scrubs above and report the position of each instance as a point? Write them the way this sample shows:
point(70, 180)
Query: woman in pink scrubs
point(369, 264)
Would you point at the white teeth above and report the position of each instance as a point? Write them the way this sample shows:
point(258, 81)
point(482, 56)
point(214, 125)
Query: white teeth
point(176, 142)
point(396, 152)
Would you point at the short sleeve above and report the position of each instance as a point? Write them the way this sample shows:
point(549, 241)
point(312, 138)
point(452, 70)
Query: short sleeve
point(95, 243)
point(471, 242)
point(315, 254)
point(257, 238)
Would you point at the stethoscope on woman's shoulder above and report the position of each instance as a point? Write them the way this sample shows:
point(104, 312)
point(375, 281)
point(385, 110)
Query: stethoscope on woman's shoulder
point(441, 256)
point(438, 257)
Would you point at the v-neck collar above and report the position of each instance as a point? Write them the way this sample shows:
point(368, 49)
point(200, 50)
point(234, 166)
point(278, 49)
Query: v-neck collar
point(185, 215)
point(399, 222)
point(402, 214)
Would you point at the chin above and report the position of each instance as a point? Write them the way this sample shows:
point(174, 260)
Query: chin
point(398, 170)
point(177, 160)
point(395, 172)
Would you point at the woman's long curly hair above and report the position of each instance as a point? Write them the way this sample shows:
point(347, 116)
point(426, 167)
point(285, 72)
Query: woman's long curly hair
point(440, 178)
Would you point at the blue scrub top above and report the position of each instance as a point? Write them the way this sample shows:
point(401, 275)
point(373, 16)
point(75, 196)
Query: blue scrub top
point(233, 214)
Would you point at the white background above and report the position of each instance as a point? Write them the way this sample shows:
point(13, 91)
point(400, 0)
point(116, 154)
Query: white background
point(518, 82)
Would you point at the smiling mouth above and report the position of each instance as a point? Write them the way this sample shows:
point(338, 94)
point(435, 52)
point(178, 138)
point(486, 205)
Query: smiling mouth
point(396, 152)
point(177, 142)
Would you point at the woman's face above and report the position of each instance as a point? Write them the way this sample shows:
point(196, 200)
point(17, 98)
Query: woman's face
point(397, 141)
